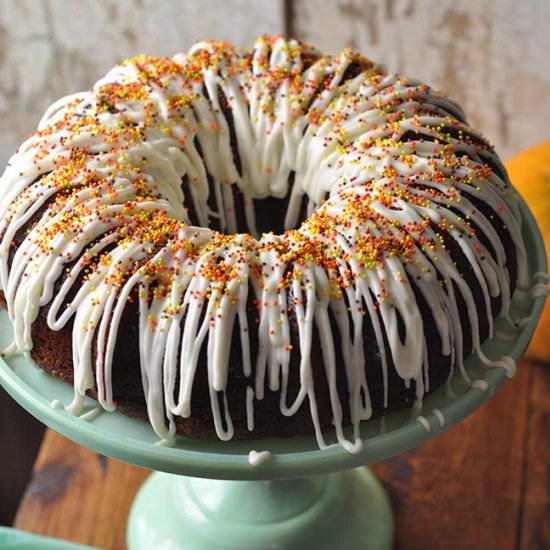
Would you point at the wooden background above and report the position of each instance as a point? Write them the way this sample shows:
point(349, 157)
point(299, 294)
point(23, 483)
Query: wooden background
point(482, 485)
point(491, 55)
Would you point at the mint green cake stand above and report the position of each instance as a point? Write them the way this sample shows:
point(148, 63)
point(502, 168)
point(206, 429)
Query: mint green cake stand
point(205, 494)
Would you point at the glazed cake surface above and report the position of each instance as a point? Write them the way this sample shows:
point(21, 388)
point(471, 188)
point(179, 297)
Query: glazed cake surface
point(257, 242)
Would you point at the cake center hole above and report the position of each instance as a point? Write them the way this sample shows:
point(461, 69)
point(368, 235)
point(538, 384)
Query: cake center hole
point(232, 211)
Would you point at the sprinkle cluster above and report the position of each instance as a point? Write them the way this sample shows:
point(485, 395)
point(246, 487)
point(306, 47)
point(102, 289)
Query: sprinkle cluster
point(404, 153)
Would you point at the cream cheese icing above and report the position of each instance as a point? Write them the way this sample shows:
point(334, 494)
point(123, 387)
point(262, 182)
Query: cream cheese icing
point(104, 174)
point(256, 458)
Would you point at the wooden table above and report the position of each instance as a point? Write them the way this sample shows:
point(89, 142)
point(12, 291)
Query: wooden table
point(485, 484)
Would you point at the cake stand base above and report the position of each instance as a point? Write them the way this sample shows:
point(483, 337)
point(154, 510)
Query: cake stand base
point(343, 510)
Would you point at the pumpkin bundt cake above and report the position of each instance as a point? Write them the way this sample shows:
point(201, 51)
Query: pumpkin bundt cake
point(257, 242)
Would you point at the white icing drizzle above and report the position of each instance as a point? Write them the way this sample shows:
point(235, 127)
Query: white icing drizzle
point(440, 417)
point(480, 384)
point(56, 404)
point(166, 442)
point(256, 458)
point(425, 423)
point(509, 365)
point(539, 289)
point(249, 409)
point(103, 179)
point(90, 415)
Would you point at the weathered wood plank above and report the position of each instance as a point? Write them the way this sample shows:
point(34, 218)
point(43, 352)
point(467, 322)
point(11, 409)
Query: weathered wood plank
point(462, 490)
point(490, 56)
point(535, 516)
point(79, 495)
point(473, 487)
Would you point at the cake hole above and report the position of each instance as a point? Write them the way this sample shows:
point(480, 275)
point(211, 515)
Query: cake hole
point(401, 329)
point(226, 110)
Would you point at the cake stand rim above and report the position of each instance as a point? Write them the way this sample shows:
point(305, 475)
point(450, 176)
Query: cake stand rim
point(234, 465)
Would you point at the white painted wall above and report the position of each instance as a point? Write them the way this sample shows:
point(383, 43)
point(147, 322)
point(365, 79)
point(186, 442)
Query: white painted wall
point(49, 48)
point(493, 56)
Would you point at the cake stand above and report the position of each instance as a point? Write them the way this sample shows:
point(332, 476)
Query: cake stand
point(206, 494)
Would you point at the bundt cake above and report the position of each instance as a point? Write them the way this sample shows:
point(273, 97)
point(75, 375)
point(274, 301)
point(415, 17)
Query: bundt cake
point(268, 242)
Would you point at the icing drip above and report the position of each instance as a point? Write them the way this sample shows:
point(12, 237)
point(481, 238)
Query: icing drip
point(480, 385)
point(540, 289)
point(424, 422)
point(166, 442)
point(91, 414)
point(440, 417)
point(114, 186)
point(256, 458)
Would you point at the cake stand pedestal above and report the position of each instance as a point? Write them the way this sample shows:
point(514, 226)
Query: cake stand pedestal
point(206, 494)
point(340, 510)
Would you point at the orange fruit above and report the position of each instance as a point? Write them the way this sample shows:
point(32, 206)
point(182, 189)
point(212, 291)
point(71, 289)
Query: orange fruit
point(529, 171)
